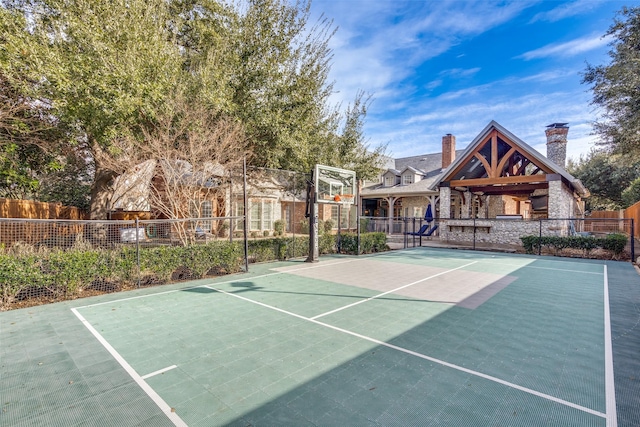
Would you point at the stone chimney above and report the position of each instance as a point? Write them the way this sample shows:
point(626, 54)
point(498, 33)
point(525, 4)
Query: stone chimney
point(557, 143)
point(448, 150)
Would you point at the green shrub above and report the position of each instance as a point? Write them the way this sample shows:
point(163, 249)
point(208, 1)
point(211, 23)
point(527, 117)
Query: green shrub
point(614, 243)
point(18, 273)
point(329, 225)
point(320, 227)
point(265, 233)
point(369, 243)
point(278, 228)
point(161, 261)
point(69, 271)
point(327, 244)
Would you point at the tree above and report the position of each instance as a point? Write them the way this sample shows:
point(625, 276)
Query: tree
point(100, 66)
point(181, 163)
point(28, 141)
point(105, 69)
point(606, 175)
point(631, 194)
point(350, 150)
point(616, 86)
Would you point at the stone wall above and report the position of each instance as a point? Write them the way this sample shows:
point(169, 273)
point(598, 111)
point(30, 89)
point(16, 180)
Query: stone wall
point(502, 232)
point(561, 201)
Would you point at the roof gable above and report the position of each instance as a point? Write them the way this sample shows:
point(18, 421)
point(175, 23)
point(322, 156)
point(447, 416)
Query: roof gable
point(496, 156)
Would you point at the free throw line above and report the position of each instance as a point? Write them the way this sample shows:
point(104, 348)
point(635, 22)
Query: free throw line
point(391, 291)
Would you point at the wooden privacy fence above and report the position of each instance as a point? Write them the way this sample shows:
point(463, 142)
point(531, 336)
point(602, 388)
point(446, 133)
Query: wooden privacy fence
point(13, 208)
point(632, 212)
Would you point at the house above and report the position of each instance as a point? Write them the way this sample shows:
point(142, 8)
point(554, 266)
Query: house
point(498, 178)
point(160, 189)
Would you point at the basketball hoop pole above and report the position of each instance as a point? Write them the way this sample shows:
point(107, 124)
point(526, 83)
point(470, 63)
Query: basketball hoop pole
point(312, 214)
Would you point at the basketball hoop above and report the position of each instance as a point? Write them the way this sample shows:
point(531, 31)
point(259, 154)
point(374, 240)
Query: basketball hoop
point(345, 199)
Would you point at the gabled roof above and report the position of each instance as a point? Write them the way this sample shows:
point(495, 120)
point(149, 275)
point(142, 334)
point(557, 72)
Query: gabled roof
point(523, 147)
point(413, 170)
point(392, 171)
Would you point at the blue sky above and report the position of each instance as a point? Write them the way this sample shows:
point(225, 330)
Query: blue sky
point(438, 67)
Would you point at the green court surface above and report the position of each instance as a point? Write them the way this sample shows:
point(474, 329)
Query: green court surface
point(421, 337)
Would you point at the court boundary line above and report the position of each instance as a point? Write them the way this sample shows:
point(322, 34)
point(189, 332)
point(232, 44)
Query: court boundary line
point(159, 401)
point(610, 388)
point(391, 291)
point(423, 356)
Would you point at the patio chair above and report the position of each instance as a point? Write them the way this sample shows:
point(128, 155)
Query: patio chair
point(420, 232)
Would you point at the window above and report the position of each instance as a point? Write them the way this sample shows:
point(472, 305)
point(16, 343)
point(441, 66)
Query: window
point(407, 179)
point(239, 206)
point(255, 215)
point(389, 181)
point(202, 209)
point(344, 214)
point(261, 215)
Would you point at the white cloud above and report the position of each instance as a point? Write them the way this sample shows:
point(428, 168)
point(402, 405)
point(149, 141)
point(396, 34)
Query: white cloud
point(567, 10)
point(570, 48)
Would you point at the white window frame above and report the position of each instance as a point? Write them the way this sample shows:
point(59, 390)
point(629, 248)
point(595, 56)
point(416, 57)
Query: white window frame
point(264, 210)
point(389, 181)
point(407, 179)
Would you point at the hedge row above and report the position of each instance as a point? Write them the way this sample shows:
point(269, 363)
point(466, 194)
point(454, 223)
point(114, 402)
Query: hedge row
point(65, 274)
point(59, 274)
point(615, 243)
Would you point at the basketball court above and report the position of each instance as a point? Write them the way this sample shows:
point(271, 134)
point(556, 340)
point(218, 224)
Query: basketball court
point(414, 337)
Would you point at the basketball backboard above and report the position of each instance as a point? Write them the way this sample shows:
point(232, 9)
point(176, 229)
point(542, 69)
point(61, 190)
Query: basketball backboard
point(335, 185)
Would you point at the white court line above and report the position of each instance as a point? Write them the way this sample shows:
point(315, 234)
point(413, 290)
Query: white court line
point(391, 291)
point(541, 268)
point(610, 389)
point(166, 409)
point(239, 279)
point(423, 356)
point(159, 371)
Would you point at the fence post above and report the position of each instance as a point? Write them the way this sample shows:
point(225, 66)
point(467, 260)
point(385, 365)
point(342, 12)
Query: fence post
point(138, 249)
point(405, 239)
point(633, 242)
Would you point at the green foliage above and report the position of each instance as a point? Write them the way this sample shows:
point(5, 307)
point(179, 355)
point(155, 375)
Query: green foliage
point(615, 243)
point(69, 270)
point(616, 86)
point(328, 225)
point(107, 71)
point(369, 243)
point(304, 227)
point(17, 273)
point(631, 194)
point(606, 176)
point(66, 273)
point(327, 243)
point(278, 227)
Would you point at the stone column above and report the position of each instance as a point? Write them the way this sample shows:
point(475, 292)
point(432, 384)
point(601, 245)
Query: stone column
point(445, 202)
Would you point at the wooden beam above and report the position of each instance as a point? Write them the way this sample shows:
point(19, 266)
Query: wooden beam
point(504, 160)
point(522, 179)
point(508, 189)
point(494, 156)
point(476, 150)
point(484, 162)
